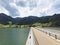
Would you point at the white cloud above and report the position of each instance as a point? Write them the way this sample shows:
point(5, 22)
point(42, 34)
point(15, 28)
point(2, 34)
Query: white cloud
point(3, 10)
point(55, 7)
point(32, 7)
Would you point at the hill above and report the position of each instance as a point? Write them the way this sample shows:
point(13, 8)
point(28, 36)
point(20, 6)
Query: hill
point(55, 20)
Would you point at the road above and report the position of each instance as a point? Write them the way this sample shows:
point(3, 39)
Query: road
point(44, 39)
point(37, 36)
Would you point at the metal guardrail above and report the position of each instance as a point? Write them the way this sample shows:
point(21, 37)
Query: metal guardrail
point(53, 34)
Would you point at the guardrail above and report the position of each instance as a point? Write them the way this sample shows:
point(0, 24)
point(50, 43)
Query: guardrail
point(53, 34)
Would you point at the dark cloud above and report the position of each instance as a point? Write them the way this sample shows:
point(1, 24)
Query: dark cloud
point(57, 6)
point(21, 3)
point(32, 5)
point(12, 10)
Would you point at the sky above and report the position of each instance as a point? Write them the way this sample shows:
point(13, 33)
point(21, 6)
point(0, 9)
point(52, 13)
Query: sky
point(24, 8)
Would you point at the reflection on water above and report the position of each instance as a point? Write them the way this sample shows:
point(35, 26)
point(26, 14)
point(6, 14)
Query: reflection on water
point(13, 36)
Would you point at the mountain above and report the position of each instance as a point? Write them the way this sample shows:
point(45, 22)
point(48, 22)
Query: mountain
point(26, 20)
point(55, 19)
point(17, 20)
point(4, 19)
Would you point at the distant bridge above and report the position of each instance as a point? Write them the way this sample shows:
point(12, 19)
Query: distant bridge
point(43, 36)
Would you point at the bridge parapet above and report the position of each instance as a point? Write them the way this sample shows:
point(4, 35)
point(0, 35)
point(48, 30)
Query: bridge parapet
point(52, 33)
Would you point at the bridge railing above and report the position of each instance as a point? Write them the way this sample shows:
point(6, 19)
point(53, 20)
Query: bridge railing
point(50, 33)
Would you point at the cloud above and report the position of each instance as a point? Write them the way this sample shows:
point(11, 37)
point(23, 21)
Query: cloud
point(24, 8)
point(3, 10)
point(12, 10)
point(55, 7)
point(21, 3)
point(32, 4)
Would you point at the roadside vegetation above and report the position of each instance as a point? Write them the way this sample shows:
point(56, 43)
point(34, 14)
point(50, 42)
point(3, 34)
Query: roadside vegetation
point(26, 26)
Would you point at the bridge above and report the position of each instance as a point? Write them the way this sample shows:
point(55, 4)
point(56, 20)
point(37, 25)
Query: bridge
point(43, 36)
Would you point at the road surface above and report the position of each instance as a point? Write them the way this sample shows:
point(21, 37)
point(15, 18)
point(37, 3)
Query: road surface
point(44, 39)
point(37, 37)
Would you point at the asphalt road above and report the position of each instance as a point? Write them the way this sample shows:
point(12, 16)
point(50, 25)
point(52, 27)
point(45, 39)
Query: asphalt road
point(43, 38)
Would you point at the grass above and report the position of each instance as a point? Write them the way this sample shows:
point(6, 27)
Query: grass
point(25, 26)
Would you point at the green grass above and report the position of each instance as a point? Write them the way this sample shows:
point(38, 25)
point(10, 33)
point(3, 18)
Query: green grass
point(25, 26)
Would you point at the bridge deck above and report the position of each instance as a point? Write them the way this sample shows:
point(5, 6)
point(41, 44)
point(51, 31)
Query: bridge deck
point(44, 39)
point(37, 36)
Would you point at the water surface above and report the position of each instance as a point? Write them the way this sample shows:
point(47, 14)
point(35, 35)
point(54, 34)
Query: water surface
point(13, 36)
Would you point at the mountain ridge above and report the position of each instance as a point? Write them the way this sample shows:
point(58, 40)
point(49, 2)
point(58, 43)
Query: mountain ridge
point(4, 19)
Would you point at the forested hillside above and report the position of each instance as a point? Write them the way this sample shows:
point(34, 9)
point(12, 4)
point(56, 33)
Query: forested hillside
point(31, 20)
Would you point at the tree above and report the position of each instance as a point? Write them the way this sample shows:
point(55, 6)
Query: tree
point(10, 23)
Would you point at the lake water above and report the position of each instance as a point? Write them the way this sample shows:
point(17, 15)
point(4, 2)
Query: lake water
point(13, 36)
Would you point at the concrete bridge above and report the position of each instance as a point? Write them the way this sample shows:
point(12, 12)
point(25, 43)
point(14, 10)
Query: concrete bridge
point(43, 36)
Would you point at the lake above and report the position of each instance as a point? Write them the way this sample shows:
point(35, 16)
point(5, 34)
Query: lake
point(13, 36)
